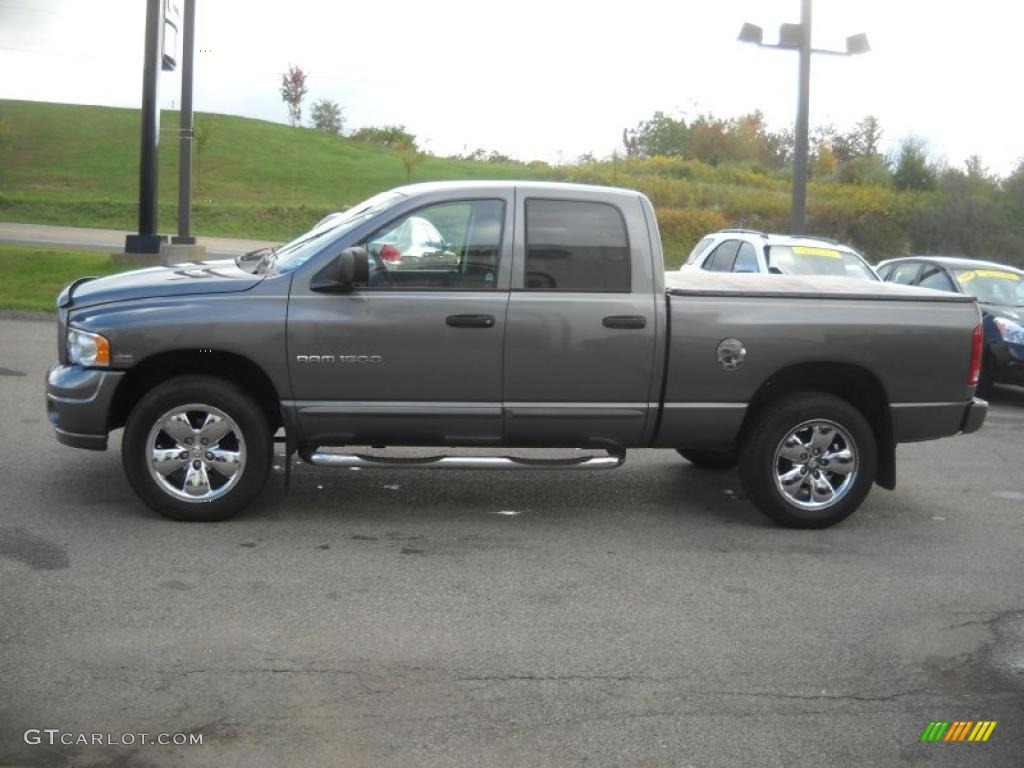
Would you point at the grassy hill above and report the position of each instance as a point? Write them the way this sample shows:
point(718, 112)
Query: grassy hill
point(79, 165)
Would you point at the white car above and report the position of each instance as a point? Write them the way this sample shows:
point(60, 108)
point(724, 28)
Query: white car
point(747, 250)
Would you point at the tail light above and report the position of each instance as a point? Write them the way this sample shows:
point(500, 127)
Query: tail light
point(390, 253)
point(977, 346)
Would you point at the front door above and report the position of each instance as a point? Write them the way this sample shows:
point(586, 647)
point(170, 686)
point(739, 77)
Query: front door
point(415, 357)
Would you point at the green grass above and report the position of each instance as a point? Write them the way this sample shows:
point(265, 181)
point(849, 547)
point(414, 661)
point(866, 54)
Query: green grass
point(78, 165)
point(32, 276)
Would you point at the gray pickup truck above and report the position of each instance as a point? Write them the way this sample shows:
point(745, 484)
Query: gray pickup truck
point(505, 315)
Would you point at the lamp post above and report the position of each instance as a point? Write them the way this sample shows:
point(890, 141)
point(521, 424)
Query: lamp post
point(797, 37)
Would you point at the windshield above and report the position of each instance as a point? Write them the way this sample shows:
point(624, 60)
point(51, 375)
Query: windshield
point(992, 286)
point(699, 249)
point(810, 260)
point(294, 254)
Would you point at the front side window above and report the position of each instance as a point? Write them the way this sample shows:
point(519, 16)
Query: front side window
point(576, 246)
point(447, 245)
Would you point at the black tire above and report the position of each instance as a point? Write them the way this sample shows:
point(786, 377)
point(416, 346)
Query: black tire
point(709, 459)
point(760, 467)
point(254, 446)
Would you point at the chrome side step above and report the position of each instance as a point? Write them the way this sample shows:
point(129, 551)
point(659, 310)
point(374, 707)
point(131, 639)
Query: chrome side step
point(363, 461)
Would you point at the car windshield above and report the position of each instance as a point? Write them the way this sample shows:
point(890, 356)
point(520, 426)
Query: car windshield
point(294, 254)
point(993, 286)
point(699, 248)
point(814, 260)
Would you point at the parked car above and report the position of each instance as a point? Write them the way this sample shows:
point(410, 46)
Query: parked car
point(748, 250)
point(566, 335)
point(999, 290)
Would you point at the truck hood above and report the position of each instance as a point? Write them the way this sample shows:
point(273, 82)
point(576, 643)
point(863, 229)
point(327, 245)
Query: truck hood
point(152, 282)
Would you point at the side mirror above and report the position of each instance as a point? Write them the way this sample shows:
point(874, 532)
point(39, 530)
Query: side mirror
point(775, 271)
point(348, 269)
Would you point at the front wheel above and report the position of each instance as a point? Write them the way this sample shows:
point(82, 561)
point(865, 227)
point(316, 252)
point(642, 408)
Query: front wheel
point(197, 448)
point(809, 460)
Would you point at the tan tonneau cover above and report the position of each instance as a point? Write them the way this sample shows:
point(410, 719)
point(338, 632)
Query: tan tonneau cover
point(701, 283)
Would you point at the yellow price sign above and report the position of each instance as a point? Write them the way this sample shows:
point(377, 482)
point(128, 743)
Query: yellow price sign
point(806, 250)
point(966, 277)
point(998, 274)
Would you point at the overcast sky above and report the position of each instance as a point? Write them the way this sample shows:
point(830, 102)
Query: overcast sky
point(550, 80)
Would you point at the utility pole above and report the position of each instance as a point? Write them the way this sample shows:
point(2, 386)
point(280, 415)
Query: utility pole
point(147, 240)
point(184, 236)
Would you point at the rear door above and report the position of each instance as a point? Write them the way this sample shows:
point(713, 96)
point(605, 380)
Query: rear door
point(580, 342)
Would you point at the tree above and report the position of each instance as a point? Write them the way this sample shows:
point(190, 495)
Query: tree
point(390, 136)
point(328, 117)
point(411, 155)
point(869, 136)
point(204, 130)
point(661, 135)
point(293, 91)
point(913, 168)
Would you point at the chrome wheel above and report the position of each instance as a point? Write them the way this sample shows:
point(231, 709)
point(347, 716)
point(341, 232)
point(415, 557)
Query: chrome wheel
point(815, 464)
point(196, 452)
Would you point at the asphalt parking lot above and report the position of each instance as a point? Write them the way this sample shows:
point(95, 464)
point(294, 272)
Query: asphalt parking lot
point(645, 616)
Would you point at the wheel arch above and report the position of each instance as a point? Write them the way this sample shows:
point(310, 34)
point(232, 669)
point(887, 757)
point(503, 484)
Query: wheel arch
point(854, 384)
point(162, 366)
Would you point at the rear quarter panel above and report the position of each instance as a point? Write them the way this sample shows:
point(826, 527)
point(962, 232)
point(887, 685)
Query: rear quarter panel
point(918, 350)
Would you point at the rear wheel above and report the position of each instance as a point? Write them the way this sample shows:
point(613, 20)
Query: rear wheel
point(197, 448)
point(809, 460)
point(709, 459)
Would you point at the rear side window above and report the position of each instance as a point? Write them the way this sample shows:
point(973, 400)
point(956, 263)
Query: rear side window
point(746, 259)
point(722, 258)
point(576, 246)
point(936, 278)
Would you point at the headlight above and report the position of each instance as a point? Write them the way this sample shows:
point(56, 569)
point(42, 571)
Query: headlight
point(1009, 330)
point(88, 349)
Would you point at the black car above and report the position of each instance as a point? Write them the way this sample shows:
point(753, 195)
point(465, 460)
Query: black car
point(999, 290)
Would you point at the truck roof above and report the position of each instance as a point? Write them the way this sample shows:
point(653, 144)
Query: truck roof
point(539, 186)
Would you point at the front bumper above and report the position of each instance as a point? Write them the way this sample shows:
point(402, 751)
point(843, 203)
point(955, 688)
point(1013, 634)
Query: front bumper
point(1007, 362)
point(78, 404)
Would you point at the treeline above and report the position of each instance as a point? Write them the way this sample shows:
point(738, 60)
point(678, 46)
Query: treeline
point(710, 172)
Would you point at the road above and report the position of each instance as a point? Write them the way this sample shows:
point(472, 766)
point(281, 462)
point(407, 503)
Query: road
point(646, 616)
point(109, 239)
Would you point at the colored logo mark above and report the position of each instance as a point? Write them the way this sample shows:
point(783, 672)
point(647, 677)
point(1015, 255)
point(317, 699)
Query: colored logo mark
point(958, 730)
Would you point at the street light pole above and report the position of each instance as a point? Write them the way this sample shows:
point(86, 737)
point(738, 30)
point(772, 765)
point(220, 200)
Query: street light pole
point(798, 37)
point(797, 216)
